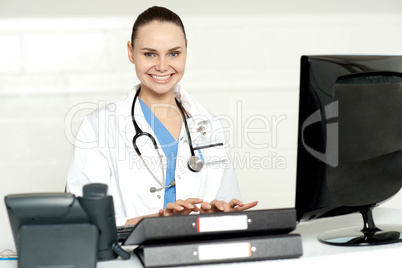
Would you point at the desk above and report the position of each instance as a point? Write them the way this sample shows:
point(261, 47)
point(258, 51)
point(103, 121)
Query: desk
point(315, 253)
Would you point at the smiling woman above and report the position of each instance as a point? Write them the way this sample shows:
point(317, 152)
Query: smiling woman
point(159, 54)
point(166, 126)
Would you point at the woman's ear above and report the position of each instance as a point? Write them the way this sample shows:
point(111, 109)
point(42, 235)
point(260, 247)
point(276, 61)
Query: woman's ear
point(130, 52)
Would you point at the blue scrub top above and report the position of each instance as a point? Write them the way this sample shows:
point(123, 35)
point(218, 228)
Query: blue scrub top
point(169, 146)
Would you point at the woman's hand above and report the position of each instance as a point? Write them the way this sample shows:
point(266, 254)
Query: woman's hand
point(184, 207)
point(181, 207)
point(222, 206)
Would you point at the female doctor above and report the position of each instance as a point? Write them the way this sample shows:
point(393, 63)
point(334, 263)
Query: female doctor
point(159, 151)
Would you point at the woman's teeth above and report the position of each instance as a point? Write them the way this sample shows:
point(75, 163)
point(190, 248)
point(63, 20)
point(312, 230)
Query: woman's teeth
point(161, 77)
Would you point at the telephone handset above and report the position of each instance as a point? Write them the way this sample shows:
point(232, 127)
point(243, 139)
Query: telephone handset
point(100, 210)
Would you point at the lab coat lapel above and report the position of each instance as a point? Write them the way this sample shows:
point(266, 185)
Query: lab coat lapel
point(148, 152)
point(198, 115)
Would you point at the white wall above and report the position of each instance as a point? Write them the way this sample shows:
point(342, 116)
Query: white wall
point(243, 65)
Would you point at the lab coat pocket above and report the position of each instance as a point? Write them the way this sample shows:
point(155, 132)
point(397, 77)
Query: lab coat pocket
point(213, 155)
point(216, 162)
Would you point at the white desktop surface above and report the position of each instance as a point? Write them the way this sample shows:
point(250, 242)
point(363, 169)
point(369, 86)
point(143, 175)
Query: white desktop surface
point(315, 254)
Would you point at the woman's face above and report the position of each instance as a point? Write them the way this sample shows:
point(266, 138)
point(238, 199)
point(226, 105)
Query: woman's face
point(159, 56)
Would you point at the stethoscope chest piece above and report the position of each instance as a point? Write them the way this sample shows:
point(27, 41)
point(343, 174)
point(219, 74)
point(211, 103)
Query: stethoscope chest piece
point(195, 163)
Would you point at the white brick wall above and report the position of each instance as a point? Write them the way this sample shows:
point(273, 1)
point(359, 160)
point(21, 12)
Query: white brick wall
point(49, 64)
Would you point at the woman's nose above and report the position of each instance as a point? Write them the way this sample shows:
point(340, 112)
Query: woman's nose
point(162, 65)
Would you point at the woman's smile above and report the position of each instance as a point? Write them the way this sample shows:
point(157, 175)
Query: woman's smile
point(161, 79)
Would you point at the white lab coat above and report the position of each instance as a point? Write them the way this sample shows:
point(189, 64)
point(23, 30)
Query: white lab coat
point(104, 153)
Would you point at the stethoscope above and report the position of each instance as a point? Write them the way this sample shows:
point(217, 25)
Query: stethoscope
point(194, 162)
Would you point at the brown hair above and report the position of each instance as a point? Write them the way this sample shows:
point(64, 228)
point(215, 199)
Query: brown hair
point(156, 13)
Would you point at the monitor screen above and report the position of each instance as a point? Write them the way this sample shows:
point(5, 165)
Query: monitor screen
point(350, 139)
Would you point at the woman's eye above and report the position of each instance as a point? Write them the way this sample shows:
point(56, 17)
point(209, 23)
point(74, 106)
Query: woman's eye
point(174, 54)
point(149, 55)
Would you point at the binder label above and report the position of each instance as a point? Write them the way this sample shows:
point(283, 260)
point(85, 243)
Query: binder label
point(224, 251)
point(222, 223)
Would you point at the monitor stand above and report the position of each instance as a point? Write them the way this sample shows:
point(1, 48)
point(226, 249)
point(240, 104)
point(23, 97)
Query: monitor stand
point(369, 235)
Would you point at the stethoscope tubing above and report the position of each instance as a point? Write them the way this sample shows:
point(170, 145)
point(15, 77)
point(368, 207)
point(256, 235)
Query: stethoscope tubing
point(140, 133)
point(194, 163)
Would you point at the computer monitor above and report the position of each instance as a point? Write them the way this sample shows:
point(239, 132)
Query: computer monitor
point(349, 142)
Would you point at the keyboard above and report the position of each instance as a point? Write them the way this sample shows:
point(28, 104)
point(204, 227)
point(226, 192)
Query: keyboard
point(123, 231)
